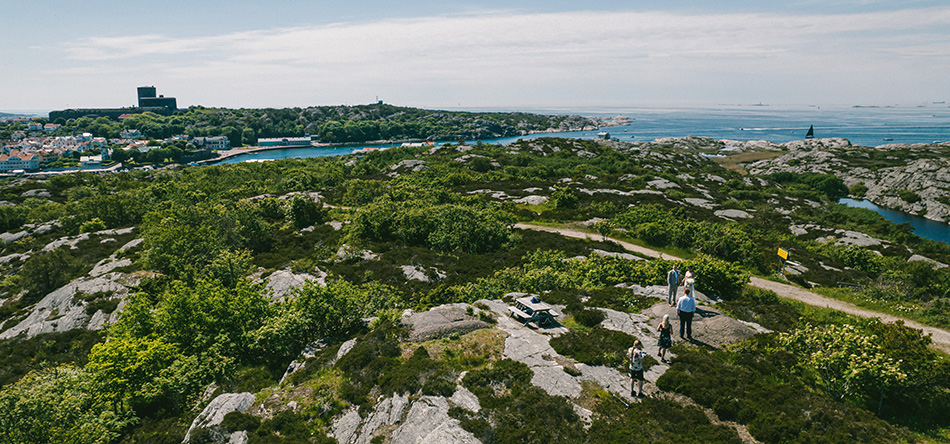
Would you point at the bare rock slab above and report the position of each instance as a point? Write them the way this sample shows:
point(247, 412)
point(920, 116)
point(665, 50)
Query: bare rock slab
point(223, 404)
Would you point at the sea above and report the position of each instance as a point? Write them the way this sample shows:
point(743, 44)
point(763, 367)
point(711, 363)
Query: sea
point(866, 125)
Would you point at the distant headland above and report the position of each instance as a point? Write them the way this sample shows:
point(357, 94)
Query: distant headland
point(148, 102)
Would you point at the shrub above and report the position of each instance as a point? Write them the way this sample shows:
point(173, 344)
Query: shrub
point(716, 277)
point(858, 190)
point(762, 307)
point(757, 389)
point(589, 317)
point(514, 410)
point(93, 225)
point(599, 346)
point(43, 273)
point(304, 212)
point(446, 227)
point(564, 198)
point(663, 421)
point(909, 196)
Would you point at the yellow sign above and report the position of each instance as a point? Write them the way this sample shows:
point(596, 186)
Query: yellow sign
point(783, 254)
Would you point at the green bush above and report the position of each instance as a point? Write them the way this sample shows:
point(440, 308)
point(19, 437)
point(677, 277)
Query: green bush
point(662, 421)
point(760, 391)
point(716, 277)
point(304, 212)
point(45, 272)
point(514, 410)
point(599, 346)
point(908, 196)
point(858, 190)
point(446, 227)
point(564, 198)
point(762, 307)
point(93, 225)
point(589, 317)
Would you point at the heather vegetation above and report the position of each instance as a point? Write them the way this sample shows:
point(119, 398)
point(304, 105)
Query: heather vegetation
point(384, 235)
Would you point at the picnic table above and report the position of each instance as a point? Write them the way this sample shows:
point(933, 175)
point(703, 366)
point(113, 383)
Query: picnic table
point(530, 309)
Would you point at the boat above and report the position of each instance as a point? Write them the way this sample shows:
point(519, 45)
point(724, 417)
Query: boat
point(603, 135)
point(811, 132)
point(888, 139)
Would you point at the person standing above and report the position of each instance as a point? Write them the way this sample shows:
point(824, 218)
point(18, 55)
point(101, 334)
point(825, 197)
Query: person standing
point(685, 308)
point(673, 280)
point(689, 280)
point(636, 355)
point(665, 329)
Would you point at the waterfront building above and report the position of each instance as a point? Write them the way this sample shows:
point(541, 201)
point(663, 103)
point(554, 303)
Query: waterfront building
point(18, 160)
point(285, 141)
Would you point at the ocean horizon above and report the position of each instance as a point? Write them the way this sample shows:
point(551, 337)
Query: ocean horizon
point(867, 125)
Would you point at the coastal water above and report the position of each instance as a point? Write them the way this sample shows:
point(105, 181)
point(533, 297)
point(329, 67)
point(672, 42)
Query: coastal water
point(923, 227)
point(867, 126)
point(297, 153)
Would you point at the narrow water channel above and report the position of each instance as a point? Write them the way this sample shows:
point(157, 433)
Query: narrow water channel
point(923, 227)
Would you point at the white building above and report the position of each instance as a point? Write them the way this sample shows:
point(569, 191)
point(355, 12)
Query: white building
point(17, 160)
point(90, 161)
point(213, 143)
point(285, 141)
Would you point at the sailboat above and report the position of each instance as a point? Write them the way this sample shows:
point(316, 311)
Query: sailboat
point(811, 132)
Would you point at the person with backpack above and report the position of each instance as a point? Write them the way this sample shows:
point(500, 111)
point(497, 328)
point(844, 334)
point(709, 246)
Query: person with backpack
point(636, 355)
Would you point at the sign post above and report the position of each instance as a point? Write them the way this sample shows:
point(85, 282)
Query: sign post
point(784, 255)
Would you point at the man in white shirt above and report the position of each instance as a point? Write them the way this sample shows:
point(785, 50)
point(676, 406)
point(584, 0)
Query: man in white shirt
point(685, 308)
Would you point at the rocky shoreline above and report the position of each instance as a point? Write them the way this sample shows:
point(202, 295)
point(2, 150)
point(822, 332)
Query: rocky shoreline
point(914, 179)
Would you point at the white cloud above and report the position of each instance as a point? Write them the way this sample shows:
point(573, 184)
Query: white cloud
point(539, 51)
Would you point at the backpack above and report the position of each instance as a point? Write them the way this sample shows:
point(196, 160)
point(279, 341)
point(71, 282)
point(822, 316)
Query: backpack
point(636, 359)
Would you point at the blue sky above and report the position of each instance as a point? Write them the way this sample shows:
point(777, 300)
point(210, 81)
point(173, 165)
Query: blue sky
point(511, 54)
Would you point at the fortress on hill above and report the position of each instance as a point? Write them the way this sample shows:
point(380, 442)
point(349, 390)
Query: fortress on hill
point(148, 102)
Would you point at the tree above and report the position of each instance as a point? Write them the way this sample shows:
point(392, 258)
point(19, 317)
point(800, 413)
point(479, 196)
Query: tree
point(58, 405)
point(564, 198)
point(229, 267)
point(44, 273)
point(126, 365)
point(316, 312)
point(248, 137)
point(304, 211)
point(604, 227)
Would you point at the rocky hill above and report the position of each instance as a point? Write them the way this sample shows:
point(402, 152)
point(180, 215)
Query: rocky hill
point(366, 300)
point(911, 178)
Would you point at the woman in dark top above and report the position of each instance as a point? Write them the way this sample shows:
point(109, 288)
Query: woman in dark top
point(665, 329)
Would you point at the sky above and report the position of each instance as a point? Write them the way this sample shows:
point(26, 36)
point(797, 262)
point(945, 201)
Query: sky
point(478, 54)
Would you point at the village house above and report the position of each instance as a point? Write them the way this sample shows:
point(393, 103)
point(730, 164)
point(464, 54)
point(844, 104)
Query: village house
point(130, 134)
point(90, 161)
point(17, 160)
point(219, 143)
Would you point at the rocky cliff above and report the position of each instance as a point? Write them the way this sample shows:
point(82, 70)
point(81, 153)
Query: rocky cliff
point(911, 178)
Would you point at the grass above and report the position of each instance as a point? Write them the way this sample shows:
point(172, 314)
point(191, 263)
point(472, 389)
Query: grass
point(903, 309)
point(470, 351)
point(735, 162)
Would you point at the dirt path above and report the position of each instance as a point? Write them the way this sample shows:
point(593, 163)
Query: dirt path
point(940, 337)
